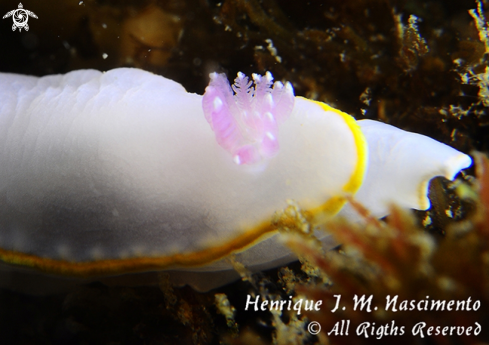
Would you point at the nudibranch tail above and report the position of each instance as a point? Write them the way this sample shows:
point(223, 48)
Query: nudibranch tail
point(246, 123)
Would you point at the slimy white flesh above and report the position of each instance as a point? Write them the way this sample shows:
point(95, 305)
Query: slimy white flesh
point(118, 172)
point(401, 164)
point(123, 165)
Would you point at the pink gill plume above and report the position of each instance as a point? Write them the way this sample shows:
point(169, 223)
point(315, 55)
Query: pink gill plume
point(246, 122)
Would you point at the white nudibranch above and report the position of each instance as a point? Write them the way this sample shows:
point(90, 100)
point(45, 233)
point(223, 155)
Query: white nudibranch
point(118, 172)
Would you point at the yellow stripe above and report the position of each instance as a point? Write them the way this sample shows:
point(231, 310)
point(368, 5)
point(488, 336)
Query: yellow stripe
point(205, 256)
point(139, 264)
point(335, 204)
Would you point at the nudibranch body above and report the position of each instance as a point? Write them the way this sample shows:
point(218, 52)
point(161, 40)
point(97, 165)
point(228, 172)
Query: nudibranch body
point(118, 172)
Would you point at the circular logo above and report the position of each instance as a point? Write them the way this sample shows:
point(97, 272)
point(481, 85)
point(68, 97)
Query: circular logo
point(314, 327)
point(20, 18)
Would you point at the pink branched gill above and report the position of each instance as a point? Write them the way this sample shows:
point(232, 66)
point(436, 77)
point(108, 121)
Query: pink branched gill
point(246, 122)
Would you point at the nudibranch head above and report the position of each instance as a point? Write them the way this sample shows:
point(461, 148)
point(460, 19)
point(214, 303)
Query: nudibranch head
point(246, 123)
